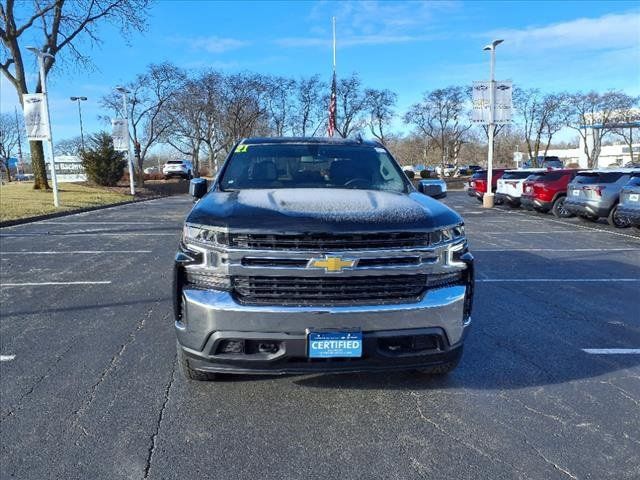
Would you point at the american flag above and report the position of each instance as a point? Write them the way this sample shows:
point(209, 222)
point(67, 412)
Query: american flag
point(332, 107)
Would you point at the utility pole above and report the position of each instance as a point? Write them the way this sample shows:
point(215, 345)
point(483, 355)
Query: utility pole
point(487, 200)
point(20, 161)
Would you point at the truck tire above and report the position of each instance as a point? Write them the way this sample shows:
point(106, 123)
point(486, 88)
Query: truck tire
point(616, 220)
point(192, 374)
point(442, 369)
point(558, 209)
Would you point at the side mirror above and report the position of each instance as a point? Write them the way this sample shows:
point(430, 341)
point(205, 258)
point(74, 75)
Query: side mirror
point(421, 187)
point(198, 187)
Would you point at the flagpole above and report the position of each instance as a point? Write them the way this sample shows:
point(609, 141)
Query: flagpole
point(334, 43)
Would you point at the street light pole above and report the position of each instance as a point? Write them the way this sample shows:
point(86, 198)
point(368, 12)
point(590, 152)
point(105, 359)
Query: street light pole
point(487, 200)
point(124, 93)
point(78, 100)
point(43, 86)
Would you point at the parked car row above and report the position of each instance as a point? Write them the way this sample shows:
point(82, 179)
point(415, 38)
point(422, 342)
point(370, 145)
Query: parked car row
point(613, 194)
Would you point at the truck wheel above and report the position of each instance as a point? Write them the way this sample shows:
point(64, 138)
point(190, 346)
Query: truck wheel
point(616, 220)
point(192, 374)
point(558, 209)
point(442, 369)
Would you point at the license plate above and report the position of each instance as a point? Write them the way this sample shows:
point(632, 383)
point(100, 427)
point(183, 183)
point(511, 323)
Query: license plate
point(335, 344)
point(576, 193)
point(634, 197)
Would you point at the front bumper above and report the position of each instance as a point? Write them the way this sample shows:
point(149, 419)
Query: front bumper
point(632, 214)
point(211, 317)
point(588, 207)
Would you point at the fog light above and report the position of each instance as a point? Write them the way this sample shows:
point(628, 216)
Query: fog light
point(267, 348)
point(232, 346)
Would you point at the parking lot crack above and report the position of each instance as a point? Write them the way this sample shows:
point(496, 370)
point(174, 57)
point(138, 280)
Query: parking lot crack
point(448, 434)
point(550, 462)
point(115, 359)
point(154, 435)
point(50, 370)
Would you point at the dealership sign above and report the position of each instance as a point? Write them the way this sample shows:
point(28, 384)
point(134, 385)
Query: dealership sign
point(36, 119)
point(120, 134)
point(482, 102)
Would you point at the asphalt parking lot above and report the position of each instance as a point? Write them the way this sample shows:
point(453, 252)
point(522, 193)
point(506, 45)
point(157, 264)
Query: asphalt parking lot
point(90, 388)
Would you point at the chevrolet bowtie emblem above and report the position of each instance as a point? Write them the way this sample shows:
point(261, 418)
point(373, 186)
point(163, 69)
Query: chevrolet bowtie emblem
point(332, 264)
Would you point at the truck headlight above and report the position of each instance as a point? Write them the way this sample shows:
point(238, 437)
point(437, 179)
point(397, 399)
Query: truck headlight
point(205, 235)
point(446, 235)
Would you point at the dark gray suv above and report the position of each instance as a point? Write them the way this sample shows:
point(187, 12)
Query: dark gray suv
point(595, 193)
point(629, 206)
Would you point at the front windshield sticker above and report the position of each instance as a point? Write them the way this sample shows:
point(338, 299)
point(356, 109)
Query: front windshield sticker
point(242, 148)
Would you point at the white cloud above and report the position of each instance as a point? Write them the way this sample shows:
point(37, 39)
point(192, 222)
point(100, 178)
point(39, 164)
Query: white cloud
point(370, 23)
point(613, 31)
point(212, 44)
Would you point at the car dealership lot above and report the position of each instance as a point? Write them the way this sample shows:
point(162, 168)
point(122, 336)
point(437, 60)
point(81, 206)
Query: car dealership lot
point(90, 388)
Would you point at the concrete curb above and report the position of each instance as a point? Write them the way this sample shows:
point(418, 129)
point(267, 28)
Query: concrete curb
point(21, 221)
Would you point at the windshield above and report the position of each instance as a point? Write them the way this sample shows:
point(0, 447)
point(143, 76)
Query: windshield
point(312, 166)
point(515, 175)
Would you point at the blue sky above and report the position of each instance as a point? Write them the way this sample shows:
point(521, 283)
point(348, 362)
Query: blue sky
point(408, 47)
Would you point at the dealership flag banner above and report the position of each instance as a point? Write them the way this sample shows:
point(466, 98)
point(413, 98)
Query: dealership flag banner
point(482, 105)
point(36, 120)
point(120, 134)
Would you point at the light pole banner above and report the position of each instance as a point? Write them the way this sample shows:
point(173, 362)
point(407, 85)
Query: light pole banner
point(36, 120)
point(482, 103)
point(120, 134)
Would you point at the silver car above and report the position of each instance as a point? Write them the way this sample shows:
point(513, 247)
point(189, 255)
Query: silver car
point(594, 194)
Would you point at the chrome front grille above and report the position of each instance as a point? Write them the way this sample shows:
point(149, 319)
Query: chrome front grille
point(332, 291)
point(324, 291)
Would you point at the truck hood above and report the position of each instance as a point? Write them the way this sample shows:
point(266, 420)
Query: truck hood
point(321, 210)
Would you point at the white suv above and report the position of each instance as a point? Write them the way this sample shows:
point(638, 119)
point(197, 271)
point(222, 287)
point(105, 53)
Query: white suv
point(510, 185)
point(178, 168)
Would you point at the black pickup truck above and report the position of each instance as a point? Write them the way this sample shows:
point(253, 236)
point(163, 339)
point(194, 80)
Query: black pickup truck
point(318, 255)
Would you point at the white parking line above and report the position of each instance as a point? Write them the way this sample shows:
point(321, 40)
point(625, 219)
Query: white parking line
point(584, 227)
point(556, 250)
point(569, 280)
point(74, 252)
point(6, 358)
point(612, 351)
point(85, 234)
point(39, 284)
point(50, 222)
point(530, 232)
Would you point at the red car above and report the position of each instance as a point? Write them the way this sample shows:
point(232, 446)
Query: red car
point(478, 182)
point(546, 192)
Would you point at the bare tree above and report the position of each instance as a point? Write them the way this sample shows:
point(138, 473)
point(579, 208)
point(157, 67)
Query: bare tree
point(543, 115)
point(442, 117)
point(149, 99)
point(380, 104)
point(187, 110)
point(9, 139)
point(626, 118)
point(60, 25)
point(279, 103)
point(310, 111)
point(69, 146)
point(593, 115)
point(351, 105)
